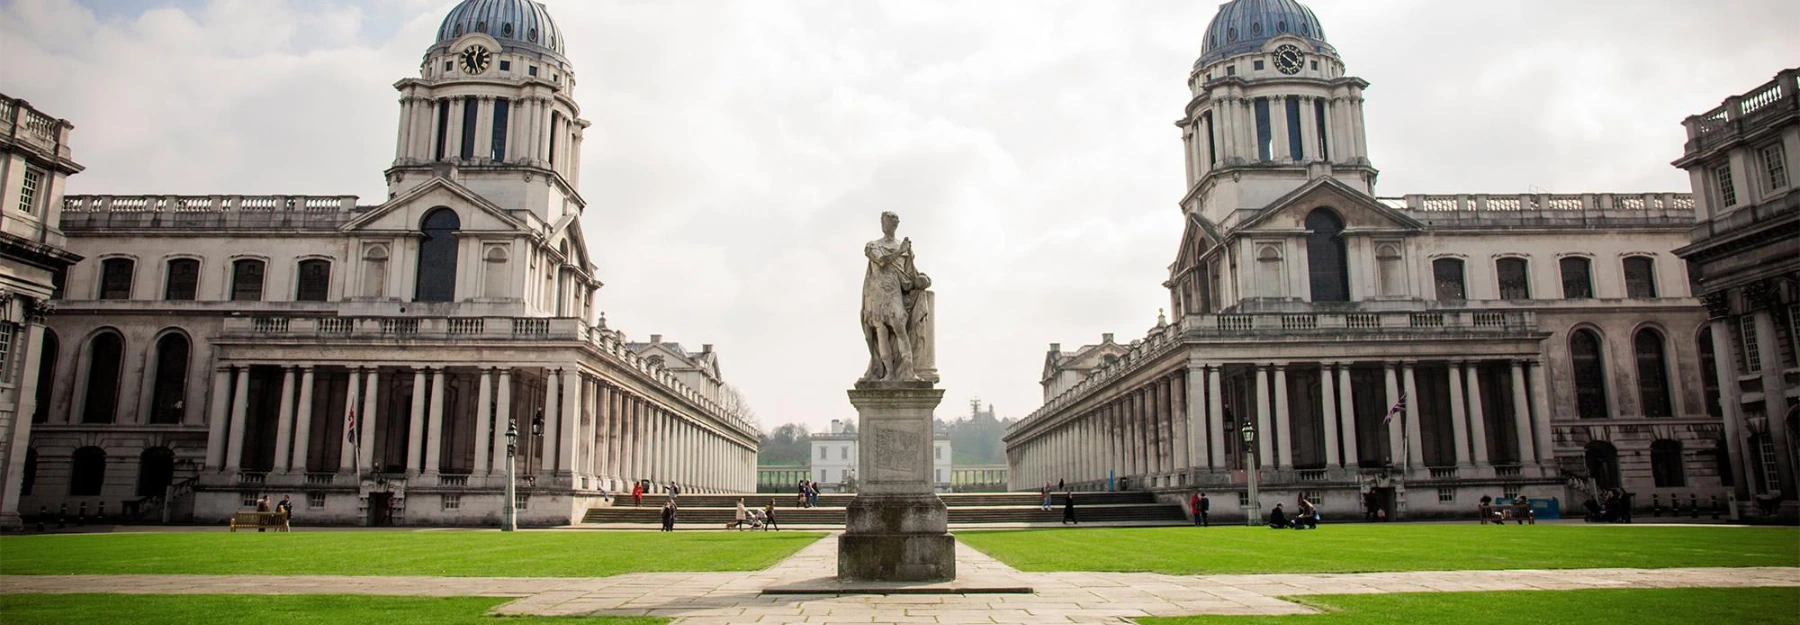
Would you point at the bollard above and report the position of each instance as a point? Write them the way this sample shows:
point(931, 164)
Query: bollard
point(62, 515)
point(1693, 505)
point(81, 517)
point(100, 516)
point(43, 511)
point(1655, 505)
point(1715, 507)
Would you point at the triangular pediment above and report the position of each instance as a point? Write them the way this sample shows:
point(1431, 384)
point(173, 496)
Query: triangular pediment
point(568, 230)
point(1198, 238)
point(1359, 210)
point(403, 212)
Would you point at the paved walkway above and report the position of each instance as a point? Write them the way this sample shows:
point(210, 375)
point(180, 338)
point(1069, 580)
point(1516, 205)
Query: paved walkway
point(1097, 598)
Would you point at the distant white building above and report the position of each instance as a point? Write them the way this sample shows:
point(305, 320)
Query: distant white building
point(834, 458)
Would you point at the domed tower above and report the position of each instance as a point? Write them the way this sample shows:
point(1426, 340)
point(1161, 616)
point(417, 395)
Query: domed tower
point(493, 109)
point(1272, 110)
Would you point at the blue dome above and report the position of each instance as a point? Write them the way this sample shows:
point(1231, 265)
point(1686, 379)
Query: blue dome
point(522, 23)
point(1243, 26)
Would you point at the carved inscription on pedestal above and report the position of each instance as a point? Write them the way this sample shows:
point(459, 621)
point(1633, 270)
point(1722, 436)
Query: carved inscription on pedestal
point(896, 451)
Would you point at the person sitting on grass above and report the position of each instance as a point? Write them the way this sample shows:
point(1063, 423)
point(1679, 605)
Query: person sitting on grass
point(1308, 516)
point(1278, 518)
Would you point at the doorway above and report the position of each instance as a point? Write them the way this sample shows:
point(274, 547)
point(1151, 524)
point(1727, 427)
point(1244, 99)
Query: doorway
point(1378, 504)
point(381, 509)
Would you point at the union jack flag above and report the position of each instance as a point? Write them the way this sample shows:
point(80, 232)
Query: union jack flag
point(350, 425)
point(1399, 407)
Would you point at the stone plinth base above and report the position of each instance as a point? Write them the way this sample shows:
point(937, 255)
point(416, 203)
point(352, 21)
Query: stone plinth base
point(897, 557)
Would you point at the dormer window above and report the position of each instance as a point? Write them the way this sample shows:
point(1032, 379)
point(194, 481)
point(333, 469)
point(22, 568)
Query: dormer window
point(531, 70)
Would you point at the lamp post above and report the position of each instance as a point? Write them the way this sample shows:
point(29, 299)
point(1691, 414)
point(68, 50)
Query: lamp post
point(510, 512)
point(1253, 514)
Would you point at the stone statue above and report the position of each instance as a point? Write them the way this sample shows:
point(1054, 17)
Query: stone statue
point(897, 317)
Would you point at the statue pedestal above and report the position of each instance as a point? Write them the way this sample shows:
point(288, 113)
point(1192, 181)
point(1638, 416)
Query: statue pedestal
point(897, 528)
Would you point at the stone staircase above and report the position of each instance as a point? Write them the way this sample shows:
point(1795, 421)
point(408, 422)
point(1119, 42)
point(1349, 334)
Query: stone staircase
point(965, 508)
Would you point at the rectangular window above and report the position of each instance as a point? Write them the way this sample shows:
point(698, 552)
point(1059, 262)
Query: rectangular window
point(1265, 136)
point(6, 337)
point(505, 65)
point(1212, 151)
point(1509, 492)
point(1320, 127)
point(28, 193)
point(555, 126)
point(471, 110)
point(939, 473)
point(315, 500)
point(443, 128)
point(115, 278)
point(249, 499)
point(1296, 147)
point(184, 280)
point(247, 281)
point(1577, 280)
point(937, 453)
point(1774, 167)
point(1722, 178)
point(314, 283)
point(1640, 277)
point(532, 70)
point(1752, 352)
point(521, 500)
point(452, 502)
point(1243, 499)
point(1256, 65)
point(1515, 280)
point(844, 453)
point(1448, 273)
point(822, 453)
point(502, 109)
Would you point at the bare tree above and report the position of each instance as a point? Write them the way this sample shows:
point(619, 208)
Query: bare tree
point(734, 403)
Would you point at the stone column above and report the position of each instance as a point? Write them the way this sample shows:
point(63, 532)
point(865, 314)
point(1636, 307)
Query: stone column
point(603, 450)
point(571, 416)
point(1724, 354)
point(415, 425)
point(1347, 409)
point(1284, 435)
point(484, 128)
point(484, 418)
point(1153, 458)
point(284, 422)
point(1328, 410)
point(434, 432)
point(503, 417)
point(215, 422)
point(371, 420)
point(1540, 413)
point(1181, 423)
point(1128, 427)
point(452, 142)
point(1264, 420)
point(1215, 410)
point(1458, 426)
point(1199, 446)
point(303, 414)
point(1396, 444)
point(1279, 135)
point(552, 384)
point(1309, 143)
point(400, 141)
point(240, 400)
point(1415, 446)
point(347, 457)
point(1477, 424)
point(30, 337)
point(1522, 414)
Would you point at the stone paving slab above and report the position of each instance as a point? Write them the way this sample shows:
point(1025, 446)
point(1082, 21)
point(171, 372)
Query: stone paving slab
point(1071, 597)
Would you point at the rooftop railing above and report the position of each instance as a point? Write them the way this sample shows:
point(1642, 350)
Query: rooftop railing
point(207, 211)
point(1547, 207)
point(1764, 104)
point(23, 123)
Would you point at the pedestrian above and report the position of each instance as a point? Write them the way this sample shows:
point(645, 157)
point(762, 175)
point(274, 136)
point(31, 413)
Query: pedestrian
point(1069, 509)
point(800, 498)
point(769, 515)
point(1044, 493)
point(286, 508)
point(1203, 507)
point(668, 516)
point(741, 515)
point(674, 489)
point(1059, 484)
point(637, 494)
point(812, 494)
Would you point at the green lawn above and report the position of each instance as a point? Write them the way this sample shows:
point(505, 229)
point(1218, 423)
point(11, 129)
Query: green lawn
point(1679, 606)
point(447, 553)
point(1386, 547)
point(283, 609)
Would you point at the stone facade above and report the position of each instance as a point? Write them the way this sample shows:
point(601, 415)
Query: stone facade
point(1546, 345)
point(834, 457)
point(1746, 258)
point(367, 360)
point(35, 164)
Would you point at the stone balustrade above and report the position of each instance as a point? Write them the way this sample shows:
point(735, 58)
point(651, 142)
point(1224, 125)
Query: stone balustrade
point(1547, 208)
point(23, 124)
point(1758, 107)
point(208, 211)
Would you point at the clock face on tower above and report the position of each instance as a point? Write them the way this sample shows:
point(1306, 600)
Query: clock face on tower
point(475, 59)
point(1288, 58)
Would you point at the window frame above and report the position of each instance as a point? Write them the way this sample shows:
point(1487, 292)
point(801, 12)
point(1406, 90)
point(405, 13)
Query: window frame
point(235, 289)
point(1775, 175)
point(1655, 380)
point(1667, 472)
point(1649, 280)
point(31, 189)
point(1438, 280)
point(1597, 397)
point(1523, 289)
point(193, 292)
point(130, 264)
point(1587, 265)
point(1727, 192)
point(300, 281)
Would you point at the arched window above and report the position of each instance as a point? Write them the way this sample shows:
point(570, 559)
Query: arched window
point(1515, 278)
point(1709, 375)
point(374, 277)
point(183, 280)
point(1589, 374)
point(246, 280)
point(1577, 277)
point(115, 278)
point(1653, 373)
point(105, 355)
point(1448, 273)
point(314, 282)
point(494, 284)
point(87, 472)
point(1665, 464)
point(437, 257)
point(46, 382)
point(156, 470)
point(1640, 277)
point(1326, 257)
point(1603, 464)
point(169, 394)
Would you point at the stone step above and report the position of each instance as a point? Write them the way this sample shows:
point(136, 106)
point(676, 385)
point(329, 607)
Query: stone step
point(835, 516)
point(785, 501)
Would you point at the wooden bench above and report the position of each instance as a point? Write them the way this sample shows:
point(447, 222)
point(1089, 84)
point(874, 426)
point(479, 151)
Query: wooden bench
point(259, 520)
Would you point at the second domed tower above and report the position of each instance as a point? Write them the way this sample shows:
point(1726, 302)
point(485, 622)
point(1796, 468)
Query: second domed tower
point(494, 102)
point(1271, 110)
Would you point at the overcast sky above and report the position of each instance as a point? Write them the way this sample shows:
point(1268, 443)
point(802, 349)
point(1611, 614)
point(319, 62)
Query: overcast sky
point(741, 151)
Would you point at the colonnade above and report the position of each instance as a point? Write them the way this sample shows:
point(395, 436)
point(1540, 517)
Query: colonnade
point(535, 130)
point(1171, 428)
point(595, 433)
